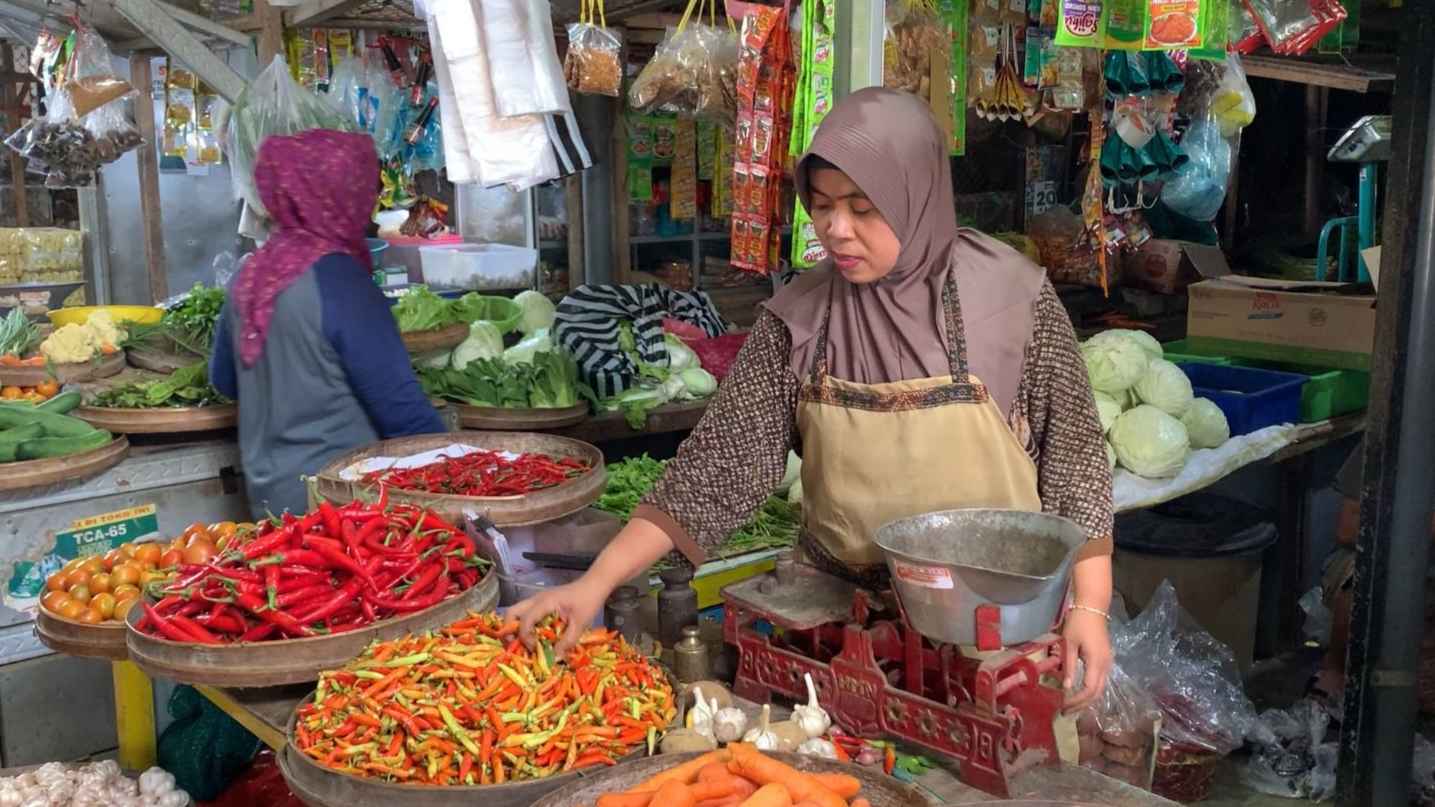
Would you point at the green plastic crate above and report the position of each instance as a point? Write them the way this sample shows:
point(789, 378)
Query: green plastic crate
point(1180, 351)
point(1329, 393)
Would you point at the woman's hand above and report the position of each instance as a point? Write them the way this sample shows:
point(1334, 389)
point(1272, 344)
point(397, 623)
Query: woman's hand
point(1087, 639)
point(576, 603)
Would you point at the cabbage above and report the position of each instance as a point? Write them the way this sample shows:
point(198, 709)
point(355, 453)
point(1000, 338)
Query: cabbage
point(680, 356)
point(1114, 365)
point(483, 342)
point(1165, 387)
point(1108, 409)
point(1143, 340)
point(1110, 454)
point(697, 382)
point(538, 311)
point(1206, 424)
point(1149, 442)
point(522, 353)
point(434, 361)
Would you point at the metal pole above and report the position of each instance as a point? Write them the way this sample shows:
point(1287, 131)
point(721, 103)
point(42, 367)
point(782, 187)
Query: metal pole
point(1388, 615)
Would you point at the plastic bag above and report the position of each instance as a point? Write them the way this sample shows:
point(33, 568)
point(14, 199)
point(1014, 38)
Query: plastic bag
point(1233, 104)
point(1060, 237)
point(1199, 187)
point(1292, 27)
point(346, 88)
point(594, 61)
point(1318, 618)
point(1117, 734)
point(1190, 675)
point(1422, 772)
point(913, 34)
point(693, 72)
point(273, 104)
point(93, 82)
point(69, 150)
point(1298, 762)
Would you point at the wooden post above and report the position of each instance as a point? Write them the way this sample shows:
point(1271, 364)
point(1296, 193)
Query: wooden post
point(10, 101)
point(573, 201)
point(271, 32)
point(148, 162)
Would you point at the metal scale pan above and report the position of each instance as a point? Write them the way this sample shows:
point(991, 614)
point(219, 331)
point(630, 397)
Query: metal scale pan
point(962, 574)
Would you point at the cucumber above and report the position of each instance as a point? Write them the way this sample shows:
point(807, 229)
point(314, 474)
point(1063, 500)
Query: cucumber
point(55, 425)
point(62, 403)
point(10, 439)
point(47, 447)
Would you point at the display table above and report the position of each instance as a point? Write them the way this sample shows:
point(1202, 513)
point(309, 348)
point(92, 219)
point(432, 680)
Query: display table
point(609, 426)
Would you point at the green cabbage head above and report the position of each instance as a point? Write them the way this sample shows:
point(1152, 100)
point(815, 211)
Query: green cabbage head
point(1206, 424)
point(1150, 443)
point(1108, 409)
point(1114, 365)
point(1165, 387)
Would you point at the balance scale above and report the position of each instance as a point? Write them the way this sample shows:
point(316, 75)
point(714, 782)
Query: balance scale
point(891, 663)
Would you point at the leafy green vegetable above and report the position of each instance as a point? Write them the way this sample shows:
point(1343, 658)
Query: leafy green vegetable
point(188, 386)
point(539, 313)
point(18, 335)
point(531, 345)
point(484, 342)
point(422, 310)
point(546, 381)
point(189, 325)
point(501, 311)
point(774, 525)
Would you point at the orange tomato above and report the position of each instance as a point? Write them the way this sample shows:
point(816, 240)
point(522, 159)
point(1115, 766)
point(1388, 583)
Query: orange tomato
point(148, 553)
point(171, 558)
point(105, 604)
point(72, 564)
point(123, 607)
point(79, 577)
point(200, 552)
point(113, 557)
point(125, 574)
point(151, 576)
point(48, 389)
point(127, 592)
point(223, 529)
point(11, 393)
point(71, 609)
point(128, 550)
point(94, 564)
point(53, 600)
point(90, 616)
point(55, 582)
point(100, 583)
point(81, 594)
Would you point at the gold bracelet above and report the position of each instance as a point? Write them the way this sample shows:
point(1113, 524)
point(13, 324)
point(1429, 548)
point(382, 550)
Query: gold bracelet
point(1074, 607)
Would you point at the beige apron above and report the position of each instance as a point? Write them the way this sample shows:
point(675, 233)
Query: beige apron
point(875, 453)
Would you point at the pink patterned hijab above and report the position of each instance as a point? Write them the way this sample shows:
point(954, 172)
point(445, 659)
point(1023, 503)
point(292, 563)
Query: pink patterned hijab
point(319, 187)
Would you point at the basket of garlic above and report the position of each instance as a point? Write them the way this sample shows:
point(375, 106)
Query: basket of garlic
point(93, 784)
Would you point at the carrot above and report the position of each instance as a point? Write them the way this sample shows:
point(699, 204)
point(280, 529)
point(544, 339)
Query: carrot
point(730, 801)
point(675, 794)
point(839, 783)
point(682, 774)
point(773, 795)
point(708, 791)
point(764, 770)
point(625, 799)
point(715, 772)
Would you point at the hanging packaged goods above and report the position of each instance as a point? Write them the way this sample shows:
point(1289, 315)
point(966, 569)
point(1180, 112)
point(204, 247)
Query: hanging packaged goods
point(594, 61)
point(766, 81)
point(814, 99)
point(85, 125)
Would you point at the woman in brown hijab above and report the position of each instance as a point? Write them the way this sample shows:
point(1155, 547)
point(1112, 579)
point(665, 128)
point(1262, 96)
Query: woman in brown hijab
point(921, 367)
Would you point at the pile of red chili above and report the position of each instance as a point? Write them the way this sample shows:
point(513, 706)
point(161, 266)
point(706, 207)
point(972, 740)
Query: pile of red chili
point(334, 570)
point(483, 473)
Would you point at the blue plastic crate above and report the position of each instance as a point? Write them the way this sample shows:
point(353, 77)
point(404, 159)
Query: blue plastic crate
point(1251, 399)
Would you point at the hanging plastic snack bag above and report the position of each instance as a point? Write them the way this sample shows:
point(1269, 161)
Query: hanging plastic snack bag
point(345, 87)
point(92, 81)
point(1199, 187)
point(1233, 104)
point(273, 104)
point(693, 72)
point(593, 63)
point(1294, 26)
point(1173, 24)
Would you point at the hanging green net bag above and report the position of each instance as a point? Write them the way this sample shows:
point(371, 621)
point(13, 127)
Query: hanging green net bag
point(204, 748)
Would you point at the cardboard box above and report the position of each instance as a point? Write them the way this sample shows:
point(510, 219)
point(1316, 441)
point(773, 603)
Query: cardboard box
point(1167, 267)
point(1298, 323)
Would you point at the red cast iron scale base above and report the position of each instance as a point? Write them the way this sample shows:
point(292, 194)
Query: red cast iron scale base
point(876, 676)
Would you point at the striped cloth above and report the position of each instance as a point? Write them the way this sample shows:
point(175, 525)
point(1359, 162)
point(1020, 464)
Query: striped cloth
point(588, 323)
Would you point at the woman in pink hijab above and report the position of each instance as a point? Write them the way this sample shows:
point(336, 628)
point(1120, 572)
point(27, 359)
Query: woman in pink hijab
point(920, 367)
point(307, 344)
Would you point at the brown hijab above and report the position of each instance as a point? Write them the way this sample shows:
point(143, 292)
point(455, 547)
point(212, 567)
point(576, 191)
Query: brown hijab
point(894, 329)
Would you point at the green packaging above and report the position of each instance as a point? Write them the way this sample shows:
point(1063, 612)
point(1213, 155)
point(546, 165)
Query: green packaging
point(814, 100)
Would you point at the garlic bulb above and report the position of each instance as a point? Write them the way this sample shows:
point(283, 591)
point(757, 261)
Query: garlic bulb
point(762, 736)
point(700, 717)
point(811, 716)
point(818, 748)
point(173, 798)
point(156, 782)
point(729, 724)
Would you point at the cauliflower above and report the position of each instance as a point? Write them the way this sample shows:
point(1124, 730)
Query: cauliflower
point(70, 344)
point(106, 331)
